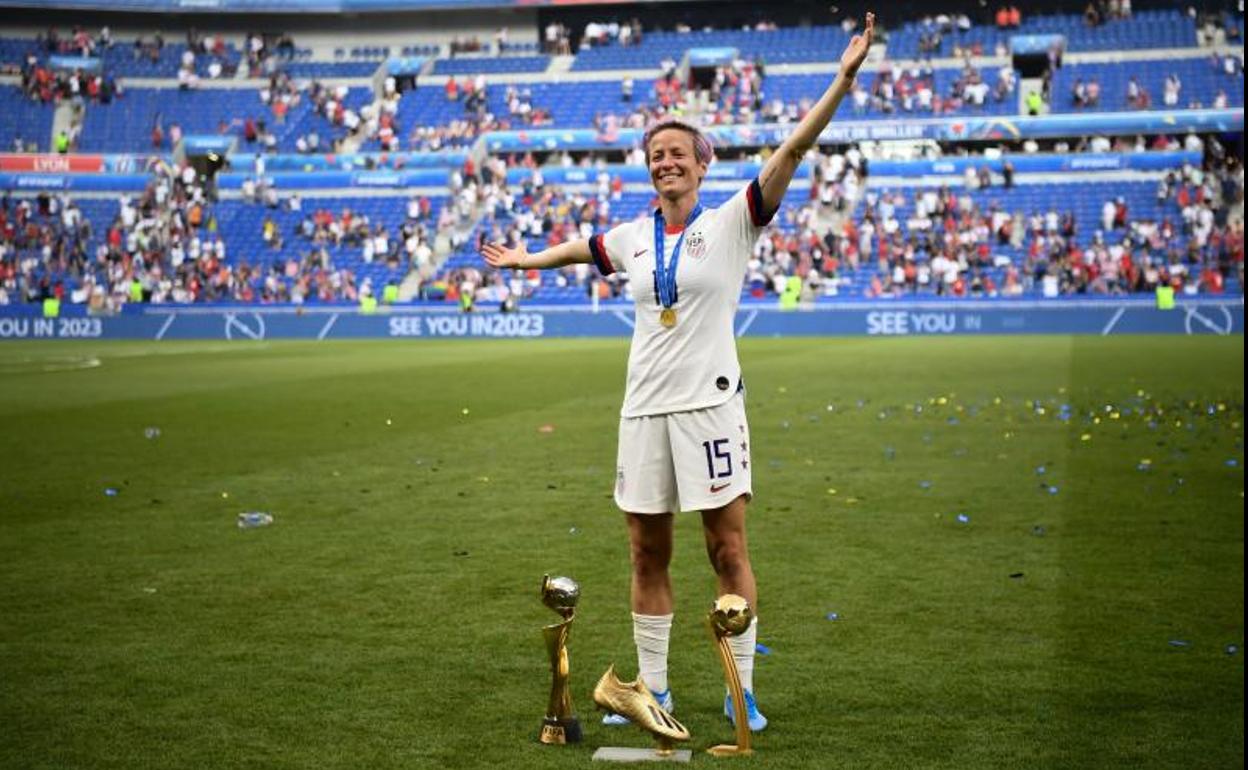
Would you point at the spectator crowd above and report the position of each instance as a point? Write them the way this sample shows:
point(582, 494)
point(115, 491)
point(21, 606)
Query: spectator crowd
point(167, 245)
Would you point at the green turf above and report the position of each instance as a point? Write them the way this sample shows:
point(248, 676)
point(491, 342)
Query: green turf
point(390, 619)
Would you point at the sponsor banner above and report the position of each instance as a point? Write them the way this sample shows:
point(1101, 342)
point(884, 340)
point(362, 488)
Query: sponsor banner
point(998, 128)
point(400, 66)
point(49, 178)
point(868, 319)
point(1040, 163)
point(711, 56)
point(47, 163)
point(81, 182)
point(292, 180)
point(133, 164)
point(1023, 164)
point(202, 144)
point(377, 179)
point(364, 161)
point(1027, 45)
point(84, 63)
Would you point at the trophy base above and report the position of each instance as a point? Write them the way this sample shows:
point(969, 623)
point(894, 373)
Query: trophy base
point(556, 731)
point(623, 754)
point(729, 750)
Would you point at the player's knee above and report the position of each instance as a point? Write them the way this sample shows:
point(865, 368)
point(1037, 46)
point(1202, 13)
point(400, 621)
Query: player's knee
point(728, 556)
point(650, 559)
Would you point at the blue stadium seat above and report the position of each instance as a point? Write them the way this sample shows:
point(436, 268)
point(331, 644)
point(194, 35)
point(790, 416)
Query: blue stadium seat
point(1201, 80)
point(490, 65)
point(31, 121)
point(126, 124)
point(1145, 29)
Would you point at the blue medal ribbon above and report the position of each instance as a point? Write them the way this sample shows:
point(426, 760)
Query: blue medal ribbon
point(665, 275)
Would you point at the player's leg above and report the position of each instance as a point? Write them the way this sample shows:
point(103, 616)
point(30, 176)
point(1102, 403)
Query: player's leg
point(711, 449)
point(650, 553)
point(728, 549)
point(714, 476)
point(646, 491)
point(650, 548)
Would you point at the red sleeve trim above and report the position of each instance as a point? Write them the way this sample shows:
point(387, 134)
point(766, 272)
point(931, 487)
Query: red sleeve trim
point(598, 249)
point(754, 200)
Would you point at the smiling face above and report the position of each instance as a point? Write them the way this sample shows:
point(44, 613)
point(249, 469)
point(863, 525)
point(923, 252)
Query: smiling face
point(675, 169)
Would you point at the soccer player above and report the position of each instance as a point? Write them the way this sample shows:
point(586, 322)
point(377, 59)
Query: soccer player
point(684, 442)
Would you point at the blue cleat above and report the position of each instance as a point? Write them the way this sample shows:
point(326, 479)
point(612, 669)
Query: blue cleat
point(664, 698)
point(757, 721)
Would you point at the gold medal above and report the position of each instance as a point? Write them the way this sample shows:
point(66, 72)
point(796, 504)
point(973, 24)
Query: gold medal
point(667, 317)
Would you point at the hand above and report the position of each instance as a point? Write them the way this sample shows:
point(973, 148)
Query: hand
point(498, 255)
point(856, 52)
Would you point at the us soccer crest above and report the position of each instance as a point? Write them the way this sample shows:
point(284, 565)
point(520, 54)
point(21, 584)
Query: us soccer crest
point(696, 246)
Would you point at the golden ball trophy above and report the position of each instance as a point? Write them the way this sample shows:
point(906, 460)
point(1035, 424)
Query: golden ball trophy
point(560, 725)
point(731, 616)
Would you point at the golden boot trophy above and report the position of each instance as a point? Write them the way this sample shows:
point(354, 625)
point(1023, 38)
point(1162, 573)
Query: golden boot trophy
point(731, 616)
point(633, 700)
point(560, 725)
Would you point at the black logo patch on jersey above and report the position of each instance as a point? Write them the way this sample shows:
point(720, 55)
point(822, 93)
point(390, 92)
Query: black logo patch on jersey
point(696, 246)
point(722, 383)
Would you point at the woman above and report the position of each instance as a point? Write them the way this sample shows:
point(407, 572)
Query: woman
point(684, 440)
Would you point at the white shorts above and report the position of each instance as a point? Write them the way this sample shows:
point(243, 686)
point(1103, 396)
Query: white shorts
point(684, 461)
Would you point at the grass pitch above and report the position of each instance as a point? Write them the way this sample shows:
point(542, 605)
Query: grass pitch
point(1032, 549)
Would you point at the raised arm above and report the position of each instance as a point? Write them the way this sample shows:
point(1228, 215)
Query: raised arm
point(778, 173)
point(566, 253)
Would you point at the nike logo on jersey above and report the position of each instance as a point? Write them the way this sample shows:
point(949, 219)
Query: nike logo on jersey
point(719, 487)
point(639, 252)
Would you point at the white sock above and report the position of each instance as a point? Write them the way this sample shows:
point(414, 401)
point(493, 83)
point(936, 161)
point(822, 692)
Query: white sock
point(652, 633)
point(743, 653)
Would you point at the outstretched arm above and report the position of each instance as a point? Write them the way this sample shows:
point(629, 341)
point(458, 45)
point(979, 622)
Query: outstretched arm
point(783, 163)
point(567, 253)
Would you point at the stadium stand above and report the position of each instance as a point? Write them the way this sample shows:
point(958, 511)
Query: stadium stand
point(325, 69)
point(15, 51)
point(491, 65)
point(1038, 239)
point(126, 124)
point(164, 61)
point(23, 121)
point(180, 248)
point(1144, 29)
point(585, 103)
point(781, 46)
point(849, 235)
point(1203, 82)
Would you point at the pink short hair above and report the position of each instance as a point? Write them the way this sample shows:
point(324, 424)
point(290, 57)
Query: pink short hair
point(702, 149)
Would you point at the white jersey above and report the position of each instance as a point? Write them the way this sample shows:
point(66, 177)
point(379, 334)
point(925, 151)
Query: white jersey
point(694, 364)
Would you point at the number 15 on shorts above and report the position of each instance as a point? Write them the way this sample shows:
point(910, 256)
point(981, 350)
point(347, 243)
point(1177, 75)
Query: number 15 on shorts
point(718, 458)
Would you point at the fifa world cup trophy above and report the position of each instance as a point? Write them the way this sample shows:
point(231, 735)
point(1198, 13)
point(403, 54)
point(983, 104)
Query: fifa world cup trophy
point(731, 616)
point(560, 725)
